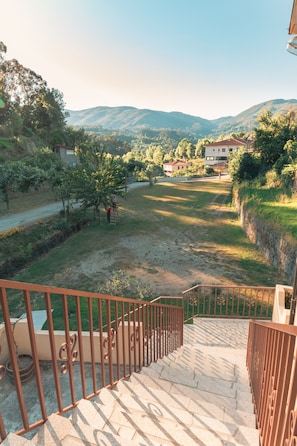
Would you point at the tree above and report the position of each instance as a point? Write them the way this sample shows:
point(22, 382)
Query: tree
point(48, 117)
point(25, 94)
point(51, 164)
point(273, 134)
point(19, 177)
point(28, 177)
point(96, 178)
point(185, 149)
point(200, 147)
point(243, 166)
point(7, 181)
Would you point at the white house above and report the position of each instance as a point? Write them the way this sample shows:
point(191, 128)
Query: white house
point(217, 152)
point(173, 166)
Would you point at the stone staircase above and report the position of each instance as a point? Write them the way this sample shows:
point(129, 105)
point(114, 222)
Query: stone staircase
point(198, 395)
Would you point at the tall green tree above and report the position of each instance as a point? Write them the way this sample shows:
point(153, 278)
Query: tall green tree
point(96, 178)
point(7, 181)
point(185, 149)
point(26, 94)
point(243, 166)
point(273, 134)
point(17, 176)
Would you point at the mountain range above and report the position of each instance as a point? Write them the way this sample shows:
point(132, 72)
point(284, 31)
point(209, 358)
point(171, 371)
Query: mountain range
point(134, 120)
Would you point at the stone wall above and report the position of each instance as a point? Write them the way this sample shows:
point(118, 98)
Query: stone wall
point(274, 245)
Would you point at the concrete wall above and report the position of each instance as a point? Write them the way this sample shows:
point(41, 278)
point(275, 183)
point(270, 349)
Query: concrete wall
point(21, 336)
point(281, 314)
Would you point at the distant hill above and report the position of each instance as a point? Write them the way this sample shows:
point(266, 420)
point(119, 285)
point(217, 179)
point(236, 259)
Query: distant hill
point(134, 119)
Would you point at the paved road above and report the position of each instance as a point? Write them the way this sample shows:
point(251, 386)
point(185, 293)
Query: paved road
point(24, 218)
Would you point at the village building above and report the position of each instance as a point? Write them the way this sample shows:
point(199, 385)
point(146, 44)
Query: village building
point(67, 155)
point(173, 166)
point(217, 153)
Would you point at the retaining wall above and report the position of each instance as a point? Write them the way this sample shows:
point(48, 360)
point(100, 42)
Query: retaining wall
point(275, 246)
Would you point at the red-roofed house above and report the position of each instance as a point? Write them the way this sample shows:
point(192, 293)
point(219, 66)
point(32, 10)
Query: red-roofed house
point(173, 166)
point(217, 152)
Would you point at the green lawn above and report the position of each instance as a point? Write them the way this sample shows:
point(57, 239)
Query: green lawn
point(198, 209)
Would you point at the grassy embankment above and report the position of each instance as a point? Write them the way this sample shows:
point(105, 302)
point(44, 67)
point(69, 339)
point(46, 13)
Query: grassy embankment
point(275, 208)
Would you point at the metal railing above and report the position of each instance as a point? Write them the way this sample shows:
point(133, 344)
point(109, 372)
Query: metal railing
point(271, 362)
point(228, 301)
point(110, 336)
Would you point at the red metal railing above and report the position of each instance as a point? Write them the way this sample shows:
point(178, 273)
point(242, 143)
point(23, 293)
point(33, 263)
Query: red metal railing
point(271, 362)
point(228, 301)
point(98, 337)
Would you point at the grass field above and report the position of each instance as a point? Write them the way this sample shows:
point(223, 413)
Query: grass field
point(195, 217)
point(170, 237)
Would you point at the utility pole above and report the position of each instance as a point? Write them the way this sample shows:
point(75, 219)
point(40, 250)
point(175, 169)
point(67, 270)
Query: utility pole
point(294, 298)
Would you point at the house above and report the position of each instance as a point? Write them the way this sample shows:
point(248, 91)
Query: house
point(218, 152)
point(67, 155)
point(173, 166)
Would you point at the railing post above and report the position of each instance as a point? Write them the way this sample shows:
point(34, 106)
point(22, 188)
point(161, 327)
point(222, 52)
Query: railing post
point(2, 429)
point(294, 298)
point(13, 357)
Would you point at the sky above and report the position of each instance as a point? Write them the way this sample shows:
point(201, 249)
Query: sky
point(207, 58)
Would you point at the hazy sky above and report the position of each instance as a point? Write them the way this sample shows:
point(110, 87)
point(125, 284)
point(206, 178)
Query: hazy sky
point(208, 58)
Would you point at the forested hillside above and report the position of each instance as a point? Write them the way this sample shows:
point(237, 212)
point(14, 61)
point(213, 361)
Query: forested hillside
point(135, 120)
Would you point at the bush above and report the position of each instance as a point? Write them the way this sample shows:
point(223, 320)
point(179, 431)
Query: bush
point(18, 246)
point(209, 170)
point(124, 285)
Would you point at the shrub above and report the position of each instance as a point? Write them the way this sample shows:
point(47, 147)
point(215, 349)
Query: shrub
point(9, 232)
point(125, 285)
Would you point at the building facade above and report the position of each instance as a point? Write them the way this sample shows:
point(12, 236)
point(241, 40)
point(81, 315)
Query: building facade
point(173, 166)
point(67, 155)
point(217, 153)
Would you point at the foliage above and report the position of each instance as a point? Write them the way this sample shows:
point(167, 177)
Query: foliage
point(272, 136)
point(121, 283)
point(18, 176)
point(185, 149)
point(19, 246)
point(209, 170)
point(288, 175)
point(273, 205)
point(243, 166)
point(30, 107)
point(9, 232)
point(96, 178)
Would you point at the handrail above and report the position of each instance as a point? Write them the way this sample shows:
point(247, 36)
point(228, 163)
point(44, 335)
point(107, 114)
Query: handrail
point(271, 363)
point(234, 301)
point(115, 335)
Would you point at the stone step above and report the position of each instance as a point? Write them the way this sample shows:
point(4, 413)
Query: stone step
point(217, 383)
point(60, 431)
point(146, 420)
point(174, 401)
point(216, 362)
point(16, 440)
point(229, 333)
point(240, 400)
